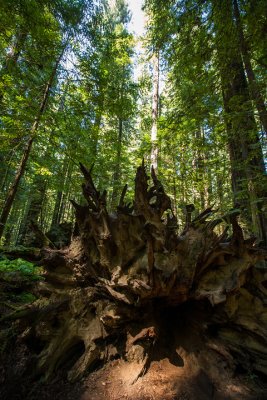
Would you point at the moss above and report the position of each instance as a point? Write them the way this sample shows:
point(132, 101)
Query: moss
point(10, 269)
point(25, 297)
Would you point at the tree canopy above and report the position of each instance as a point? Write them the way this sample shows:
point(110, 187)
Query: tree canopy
point(81, 56)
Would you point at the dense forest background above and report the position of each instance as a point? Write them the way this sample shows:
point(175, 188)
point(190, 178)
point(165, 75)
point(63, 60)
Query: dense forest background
point(77, 86)
point(133, 213)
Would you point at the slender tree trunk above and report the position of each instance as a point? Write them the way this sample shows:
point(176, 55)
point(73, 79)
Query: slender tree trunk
point(66, 195)
point(14, 187)
point(23, 162)
point(174, 185)
point(200, 166)
point(6, 161)
point(155, 107)
point(95, 135)
point(4, 175)
point(62, 207)
point(253, 85)
point(59, 197)
point(96, 128)
point(117, 170)
point(35, 207)
point(12, 227)
point(55, 218)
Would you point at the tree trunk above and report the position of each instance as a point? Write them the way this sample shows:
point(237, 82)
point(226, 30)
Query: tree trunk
point(117, 169)
point(200, 166)
point(56, 214)
point(20, 171)
point(14, 187)
point(96, 128)
point(155, 107)
point(34, 210)
point(253, 85)
point(66, 195)
point(248, 171)
point(62, 181)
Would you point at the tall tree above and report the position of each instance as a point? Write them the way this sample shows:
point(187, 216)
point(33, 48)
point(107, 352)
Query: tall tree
point(248, 180)
point(155, 108)
point(23, 162)
point(253, 84)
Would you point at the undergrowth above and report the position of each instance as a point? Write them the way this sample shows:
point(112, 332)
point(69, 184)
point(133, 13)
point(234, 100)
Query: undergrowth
point(23, 268)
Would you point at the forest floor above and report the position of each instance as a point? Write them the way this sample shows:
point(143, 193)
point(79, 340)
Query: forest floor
point(163, 381)
point(193, 371)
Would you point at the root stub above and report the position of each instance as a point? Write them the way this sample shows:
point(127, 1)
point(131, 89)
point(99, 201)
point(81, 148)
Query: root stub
point(137, 293)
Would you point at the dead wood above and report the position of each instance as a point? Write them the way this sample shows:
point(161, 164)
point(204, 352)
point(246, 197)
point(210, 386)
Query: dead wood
point(125, 270)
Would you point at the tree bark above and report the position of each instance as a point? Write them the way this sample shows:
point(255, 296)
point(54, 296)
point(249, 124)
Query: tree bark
point(117, 169)
point(62, 181)
point(14, 187)
point(200, 166)
point(248, 171)
point(155, 106)
point(96, 128)
point(253, 85)
point(34, 210)
point(56, 214)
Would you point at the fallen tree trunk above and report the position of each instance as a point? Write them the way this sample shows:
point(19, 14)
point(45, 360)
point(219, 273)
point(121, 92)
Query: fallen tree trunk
point(131, 285)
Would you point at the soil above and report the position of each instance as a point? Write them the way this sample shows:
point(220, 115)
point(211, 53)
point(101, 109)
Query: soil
point(196, 371)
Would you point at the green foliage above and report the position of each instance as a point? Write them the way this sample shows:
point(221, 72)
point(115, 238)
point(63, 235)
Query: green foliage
point(95, 92)
point(25, 269)
point(25, 297)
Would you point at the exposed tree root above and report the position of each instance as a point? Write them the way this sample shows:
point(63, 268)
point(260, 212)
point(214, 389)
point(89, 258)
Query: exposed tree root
point(119, 289)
